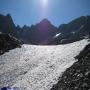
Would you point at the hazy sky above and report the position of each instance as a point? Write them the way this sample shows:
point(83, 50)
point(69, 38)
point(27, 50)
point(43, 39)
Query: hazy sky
point(33, 11)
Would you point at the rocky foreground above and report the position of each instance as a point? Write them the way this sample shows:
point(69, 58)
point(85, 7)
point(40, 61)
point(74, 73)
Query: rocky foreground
point(77, 77)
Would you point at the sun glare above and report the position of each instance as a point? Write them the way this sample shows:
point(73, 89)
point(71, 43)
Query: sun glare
point(44, 2)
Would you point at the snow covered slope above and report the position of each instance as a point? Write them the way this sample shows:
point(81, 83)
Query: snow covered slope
point(37, 67)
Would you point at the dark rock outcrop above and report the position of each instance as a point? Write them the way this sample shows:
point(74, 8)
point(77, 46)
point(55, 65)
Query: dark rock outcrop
point(7, 25)
point(77, 77)
point(8, 42)
point(10, 88)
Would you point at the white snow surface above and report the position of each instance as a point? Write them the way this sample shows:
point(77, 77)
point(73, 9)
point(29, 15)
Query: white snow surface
point(37, 67)
point(57, 35)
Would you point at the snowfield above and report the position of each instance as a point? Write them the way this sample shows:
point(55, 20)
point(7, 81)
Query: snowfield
point(37, 67)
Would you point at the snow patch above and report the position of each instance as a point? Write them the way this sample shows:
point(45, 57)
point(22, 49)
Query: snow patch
point(57, 35)
point(73, 32)
point(37, 67)
point(81, 27)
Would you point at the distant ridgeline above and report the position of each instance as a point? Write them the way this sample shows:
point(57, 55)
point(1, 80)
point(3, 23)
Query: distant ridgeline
point(44, 33)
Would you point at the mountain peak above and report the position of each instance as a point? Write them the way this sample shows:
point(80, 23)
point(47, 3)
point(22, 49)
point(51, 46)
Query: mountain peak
point(45, 21)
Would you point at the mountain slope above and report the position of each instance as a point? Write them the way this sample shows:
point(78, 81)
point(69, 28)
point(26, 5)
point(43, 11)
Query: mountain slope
point(76, 30)
point(34, 67)
point(74, 25)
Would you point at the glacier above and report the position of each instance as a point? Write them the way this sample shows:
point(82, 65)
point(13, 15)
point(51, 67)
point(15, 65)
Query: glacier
point(34, 67)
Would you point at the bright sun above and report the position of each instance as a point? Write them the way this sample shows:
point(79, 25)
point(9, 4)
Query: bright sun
point(44, 2)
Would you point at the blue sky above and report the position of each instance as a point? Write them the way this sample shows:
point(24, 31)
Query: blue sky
point(28, 12)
